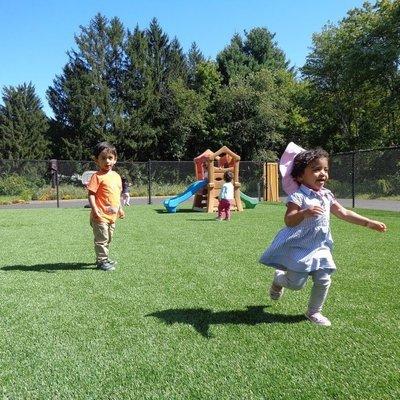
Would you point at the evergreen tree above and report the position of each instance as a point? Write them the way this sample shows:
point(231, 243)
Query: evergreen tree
point(86, 99)
point(158, 53)
point(194, 58)
point(23, 124)
point(242, 57)
point(251, 111)
point(233, 62)
point(176, 61)
point(168, 68)
point(263, 51)
point(140, 137)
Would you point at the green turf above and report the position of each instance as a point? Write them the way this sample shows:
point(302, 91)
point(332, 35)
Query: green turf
point(186, 314)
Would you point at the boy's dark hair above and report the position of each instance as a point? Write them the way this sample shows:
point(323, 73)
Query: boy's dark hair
point(305, 158)
point(228, 176)
point(104, 146)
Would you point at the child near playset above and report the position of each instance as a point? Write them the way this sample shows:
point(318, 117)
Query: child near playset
point(210, 168)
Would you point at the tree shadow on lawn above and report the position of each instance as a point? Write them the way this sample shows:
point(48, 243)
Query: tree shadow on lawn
point(49, 267)
point(201, 318)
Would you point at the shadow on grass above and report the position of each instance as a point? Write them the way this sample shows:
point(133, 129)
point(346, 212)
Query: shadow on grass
point(49, 267)
point(212, 219)
point(179, 211)
point(201, 318)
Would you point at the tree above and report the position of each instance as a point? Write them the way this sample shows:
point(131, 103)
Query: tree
point(142, 92)
point(168, 71)
point(253, 114)
point(158, 53)
point(182, 114)
point(233, 62)
point(139, 138)
point(251, 108)
point(207, 83)
point(353, 72)
point(177, 63)
point(194, 58)
point(260, 47)
point(86, 98)
point(23, 124)
point(242, 57)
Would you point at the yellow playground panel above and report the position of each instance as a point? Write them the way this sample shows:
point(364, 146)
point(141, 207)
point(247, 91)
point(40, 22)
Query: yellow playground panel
point(271, 182)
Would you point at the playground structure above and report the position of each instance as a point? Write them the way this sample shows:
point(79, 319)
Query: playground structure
point(209, 170)
point(216, 164)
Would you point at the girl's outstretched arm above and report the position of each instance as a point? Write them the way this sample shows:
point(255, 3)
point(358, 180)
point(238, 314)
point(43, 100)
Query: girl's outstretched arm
point(354, 218)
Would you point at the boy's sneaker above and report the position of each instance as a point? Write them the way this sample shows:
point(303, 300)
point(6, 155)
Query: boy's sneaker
point(106, 266)
point(318, 319)
point(275, 292)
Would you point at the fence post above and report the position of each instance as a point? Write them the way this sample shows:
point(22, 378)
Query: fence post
point(57, 190)
point(55, 179)
point(149, 181)
point(264, 179)
point(353, 179)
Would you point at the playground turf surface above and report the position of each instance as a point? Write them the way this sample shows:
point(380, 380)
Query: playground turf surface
point(186, 314)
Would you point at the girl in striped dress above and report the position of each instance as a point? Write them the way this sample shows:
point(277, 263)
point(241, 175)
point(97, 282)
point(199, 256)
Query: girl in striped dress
point(304, 247)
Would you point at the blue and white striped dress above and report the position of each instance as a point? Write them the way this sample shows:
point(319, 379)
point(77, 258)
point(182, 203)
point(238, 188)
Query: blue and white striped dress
point(307, 246)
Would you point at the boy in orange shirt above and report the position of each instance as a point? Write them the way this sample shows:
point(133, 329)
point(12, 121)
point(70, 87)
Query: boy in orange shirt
point(104, 188)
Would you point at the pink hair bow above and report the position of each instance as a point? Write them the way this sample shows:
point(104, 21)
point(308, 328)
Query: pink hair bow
point(289, 185)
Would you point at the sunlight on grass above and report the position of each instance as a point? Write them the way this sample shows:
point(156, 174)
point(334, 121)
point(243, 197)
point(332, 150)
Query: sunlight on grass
point(186, 314)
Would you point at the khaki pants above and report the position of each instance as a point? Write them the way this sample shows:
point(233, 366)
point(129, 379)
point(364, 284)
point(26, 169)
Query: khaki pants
point(103, 233)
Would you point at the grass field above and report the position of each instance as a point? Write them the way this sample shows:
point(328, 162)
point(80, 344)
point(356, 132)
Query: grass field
point(186, 314)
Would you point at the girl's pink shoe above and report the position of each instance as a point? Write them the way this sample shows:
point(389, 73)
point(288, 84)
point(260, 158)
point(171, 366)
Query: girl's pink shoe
point(318, 319)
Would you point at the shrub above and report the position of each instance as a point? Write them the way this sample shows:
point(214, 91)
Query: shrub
point(66, 192)
point(16, 185)
point(339, 189)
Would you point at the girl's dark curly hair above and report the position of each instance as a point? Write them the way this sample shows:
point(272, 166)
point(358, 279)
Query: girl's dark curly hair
point(305, 158)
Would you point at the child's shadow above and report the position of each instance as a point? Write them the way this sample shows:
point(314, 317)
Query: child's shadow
point(201, 318)
point(49, 267)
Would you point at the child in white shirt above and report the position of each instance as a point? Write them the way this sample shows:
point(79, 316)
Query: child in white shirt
point(225, 197)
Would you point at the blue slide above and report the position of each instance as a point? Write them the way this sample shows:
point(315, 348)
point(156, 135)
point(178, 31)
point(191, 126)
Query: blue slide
point(172, 203)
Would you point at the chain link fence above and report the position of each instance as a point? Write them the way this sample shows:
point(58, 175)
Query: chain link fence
point(367, 174)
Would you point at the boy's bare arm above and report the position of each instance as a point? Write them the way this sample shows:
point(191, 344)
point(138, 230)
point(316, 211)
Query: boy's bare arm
point(121, 212)
point(92, 202)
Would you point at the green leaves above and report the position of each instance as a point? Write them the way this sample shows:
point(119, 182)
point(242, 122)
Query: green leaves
point(23, 124)
point(353, 70)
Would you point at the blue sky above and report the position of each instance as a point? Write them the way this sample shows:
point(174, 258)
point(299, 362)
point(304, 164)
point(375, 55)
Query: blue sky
point(36, 34)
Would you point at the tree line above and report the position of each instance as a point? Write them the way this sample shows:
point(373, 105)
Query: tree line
point(139, 90)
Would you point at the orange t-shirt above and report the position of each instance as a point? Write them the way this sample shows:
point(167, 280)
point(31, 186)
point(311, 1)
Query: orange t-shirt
point(107, 188)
